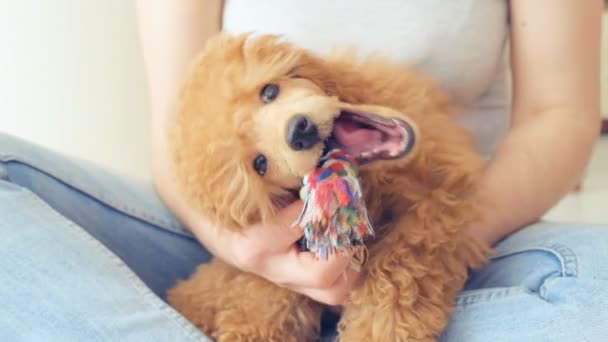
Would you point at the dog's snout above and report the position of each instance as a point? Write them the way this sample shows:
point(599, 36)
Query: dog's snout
point(302, 133)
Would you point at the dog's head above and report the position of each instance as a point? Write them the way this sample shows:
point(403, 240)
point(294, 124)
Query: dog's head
point(255, 116)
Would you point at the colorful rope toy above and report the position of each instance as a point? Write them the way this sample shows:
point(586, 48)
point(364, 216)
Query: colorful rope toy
point(334, 217)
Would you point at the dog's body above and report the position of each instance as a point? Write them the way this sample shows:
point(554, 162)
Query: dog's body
point(419, 204)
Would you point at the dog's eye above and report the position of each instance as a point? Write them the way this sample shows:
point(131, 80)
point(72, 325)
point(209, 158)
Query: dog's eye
point(269, 92)
point(260, 164)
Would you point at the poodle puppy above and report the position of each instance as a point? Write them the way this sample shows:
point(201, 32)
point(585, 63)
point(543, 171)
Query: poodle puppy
point(254, 117)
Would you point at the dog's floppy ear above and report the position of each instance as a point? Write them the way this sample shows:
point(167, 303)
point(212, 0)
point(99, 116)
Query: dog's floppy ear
point(339, 74)
point(219, 184)
point(367, 81)
point(238, 198)
point(318, 71)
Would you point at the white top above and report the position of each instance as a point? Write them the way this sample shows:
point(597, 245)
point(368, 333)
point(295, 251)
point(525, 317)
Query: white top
point(461, 43)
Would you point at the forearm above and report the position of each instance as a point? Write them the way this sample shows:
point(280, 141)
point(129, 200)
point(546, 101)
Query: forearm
point(555, 122)
point(538, 162)
point(172, 33)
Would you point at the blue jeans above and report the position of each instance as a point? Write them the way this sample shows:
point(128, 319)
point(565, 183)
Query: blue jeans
point(86, 255)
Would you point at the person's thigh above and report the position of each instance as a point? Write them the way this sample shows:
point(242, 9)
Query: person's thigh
point(547, 282)
point(57, 283)
point(125, 215)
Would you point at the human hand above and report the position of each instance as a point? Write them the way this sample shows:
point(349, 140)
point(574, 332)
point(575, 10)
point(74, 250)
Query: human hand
point(271, 252)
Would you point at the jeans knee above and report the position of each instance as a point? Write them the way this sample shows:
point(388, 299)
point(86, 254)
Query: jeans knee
point(6, 140)
point(10, 145)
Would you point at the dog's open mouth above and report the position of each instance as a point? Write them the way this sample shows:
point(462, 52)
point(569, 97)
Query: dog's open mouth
point(369, 137)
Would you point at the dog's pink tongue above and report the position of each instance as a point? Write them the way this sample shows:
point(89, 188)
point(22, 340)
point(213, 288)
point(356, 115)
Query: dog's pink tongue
point(350, 134)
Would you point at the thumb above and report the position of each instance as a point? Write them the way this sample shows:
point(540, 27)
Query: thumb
point(288, 215)
point(281, 232)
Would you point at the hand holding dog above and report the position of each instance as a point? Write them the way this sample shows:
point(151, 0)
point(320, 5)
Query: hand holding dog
point(271, 252)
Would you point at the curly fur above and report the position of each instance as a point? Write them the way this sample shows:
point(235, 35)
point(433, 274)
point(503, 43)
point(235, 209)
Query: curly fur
point(420, 205)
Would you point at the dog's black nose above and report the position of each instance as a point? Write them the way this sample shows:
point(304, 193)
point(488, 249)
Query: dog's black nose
point(302, 133)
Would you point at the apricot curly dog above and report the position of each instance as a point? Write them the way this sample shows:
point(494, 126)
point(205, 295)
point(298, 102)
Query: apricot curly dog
point(254, 117)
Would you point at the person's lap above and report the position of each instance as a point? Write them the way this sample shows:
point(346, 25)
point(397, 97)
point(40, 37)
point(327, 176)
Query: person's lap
point(85, 254)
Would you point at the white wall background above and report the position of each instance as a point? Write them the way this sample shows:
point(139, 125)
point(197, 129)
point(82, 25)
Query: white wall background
point(71, 78)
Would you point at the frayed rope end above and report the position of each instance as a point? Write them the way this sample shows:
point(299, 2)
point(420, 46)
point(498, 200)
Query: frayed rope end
point(334, 217)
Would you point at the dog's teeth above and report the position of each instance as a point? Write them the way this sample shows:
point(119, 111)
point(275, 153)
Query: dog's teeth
point(365, 154)
point(393, 153)
point(376, 151)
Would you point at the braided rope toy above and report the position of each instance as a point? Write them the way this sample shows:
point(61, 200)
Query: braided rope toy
point(334, 217)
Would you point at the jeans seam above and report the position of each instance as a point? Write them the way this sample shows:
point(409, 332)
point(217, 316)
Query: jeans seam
point(568, 268)
point(567, 258)
point(182, 324)
point(480, 296)
point(96, 196)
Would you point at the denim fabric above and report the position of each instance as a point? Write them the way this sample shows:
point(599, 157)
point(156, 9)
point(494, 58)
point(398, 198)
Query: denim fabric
point(547, 282)
point(86, 255)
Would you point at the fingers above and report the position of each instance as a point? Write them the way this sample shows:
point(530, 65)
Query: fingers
point(256, 248)
point(301, 269)
point(269, 251)
point(280, 232)
point(337, 293)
